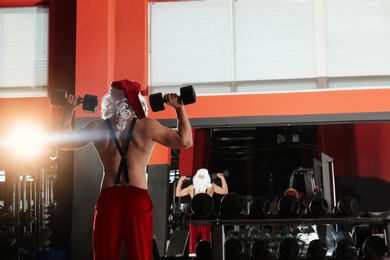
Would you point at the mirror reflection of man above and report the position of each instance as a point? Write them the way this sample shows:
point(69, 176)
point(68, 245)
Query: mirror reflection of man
point(201, 183)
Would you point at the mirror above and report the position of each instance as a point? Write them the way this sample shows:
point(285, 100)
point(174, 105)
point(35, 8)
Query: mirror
point(260, 160)
point(344, 159)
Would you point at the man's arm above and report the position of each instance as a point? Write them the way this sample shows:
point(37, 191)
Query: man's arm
point(180, 138)
point(182, 192)
point(224, 188)
point(66, 139)
point(183, 123)
point(183, 126)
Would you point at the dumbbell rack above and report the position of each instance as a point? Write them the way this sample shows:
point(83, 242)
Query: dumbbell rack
point(218, 227)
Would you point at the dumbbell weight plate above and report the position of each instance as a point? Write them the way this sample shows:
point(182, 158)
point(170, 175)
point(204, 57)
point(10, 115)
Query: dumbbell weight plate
point(288, 206)
point(234, 248)
point(90, 103)
point(188, 95)
point(156, 102)
point(317, 250)
point(288, 248)
point(231, 206)
point(374, 247)
point(260, 250)
point(260, 207)
point(345, 249)
point(202, 205)
point(318, 207)
point(58, 98)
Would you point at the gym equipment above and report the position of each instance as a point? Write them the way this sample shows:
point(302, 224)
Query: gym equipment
point(374, 247)
point(288, 206)
point(345, 249)
point(234, 249)
point(260, 207)
point(178, 243)
point(347, 206)
point(360, 233)
point(260, 250)
point(225, 174)
point(317, 250)
point(58, 99)
point(231, 206)
point(308, 177)
point(318, 207)
point(30, 211)
point(187, 96)
point(202, 205)
point(288, 248)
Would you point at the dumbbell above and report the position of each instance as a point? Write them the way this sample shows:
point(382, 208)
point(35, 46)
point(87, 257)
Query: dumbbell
point(187, 96)
point(288, 206)
point(231, 206)
point(347, 206)
point(345, 249)
point(215, 177)
point(318, 207)
point(374, 247)
point(260, 207)
point(317, 250)
point(202, 205)
point(288, 248)
point(58, 99)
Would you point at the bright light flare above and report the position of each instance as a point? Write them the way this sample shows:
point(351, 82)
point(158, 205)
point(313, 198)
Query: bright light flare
point(27, 140)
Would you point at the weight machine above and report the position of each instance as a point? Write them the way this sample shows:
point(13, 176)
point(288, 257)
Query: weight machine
point(27, 217)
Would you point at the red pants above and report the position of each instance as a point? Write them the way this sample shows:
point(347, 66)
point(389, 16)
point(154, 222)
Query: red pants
point(195, 236)
point(123, 215)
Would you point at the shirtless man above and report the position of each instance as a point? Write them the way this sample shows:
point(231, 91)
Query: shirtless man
point(201, 184)
point(124, 139)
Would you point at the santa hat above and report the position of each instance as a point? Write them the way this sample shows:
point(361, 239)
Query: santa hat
point(130, 90)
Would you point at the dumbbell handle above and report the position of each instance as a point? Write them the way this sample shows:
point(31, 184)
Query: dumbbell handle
point(179, 99)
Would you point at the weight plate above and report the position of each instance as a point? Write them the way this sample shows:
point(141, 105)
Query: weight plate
point(260, 207)
point(347, 206)
point(202, 205)
point(90, 103)
point(187, 95)
point(317, 249)
point(231, 206)
point(318, 207)
point(288, 206)
point(288, 248)
point(374, 247)
point(57, 98)
point(156, 102)
point(261, 250)
point(345, 249)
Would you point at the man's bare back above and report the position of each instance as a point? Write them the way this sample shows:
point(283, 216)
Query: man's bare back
point(116, 221)
point(146, 132)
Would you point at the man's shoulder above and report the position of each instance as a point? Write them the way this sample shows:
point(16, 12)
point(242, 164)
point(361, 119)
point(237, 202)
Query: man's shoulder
point(96, 123)
point(147, 121)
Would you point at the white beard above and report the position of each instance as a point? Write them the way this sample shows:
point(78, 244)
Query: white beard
point(201, 184)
